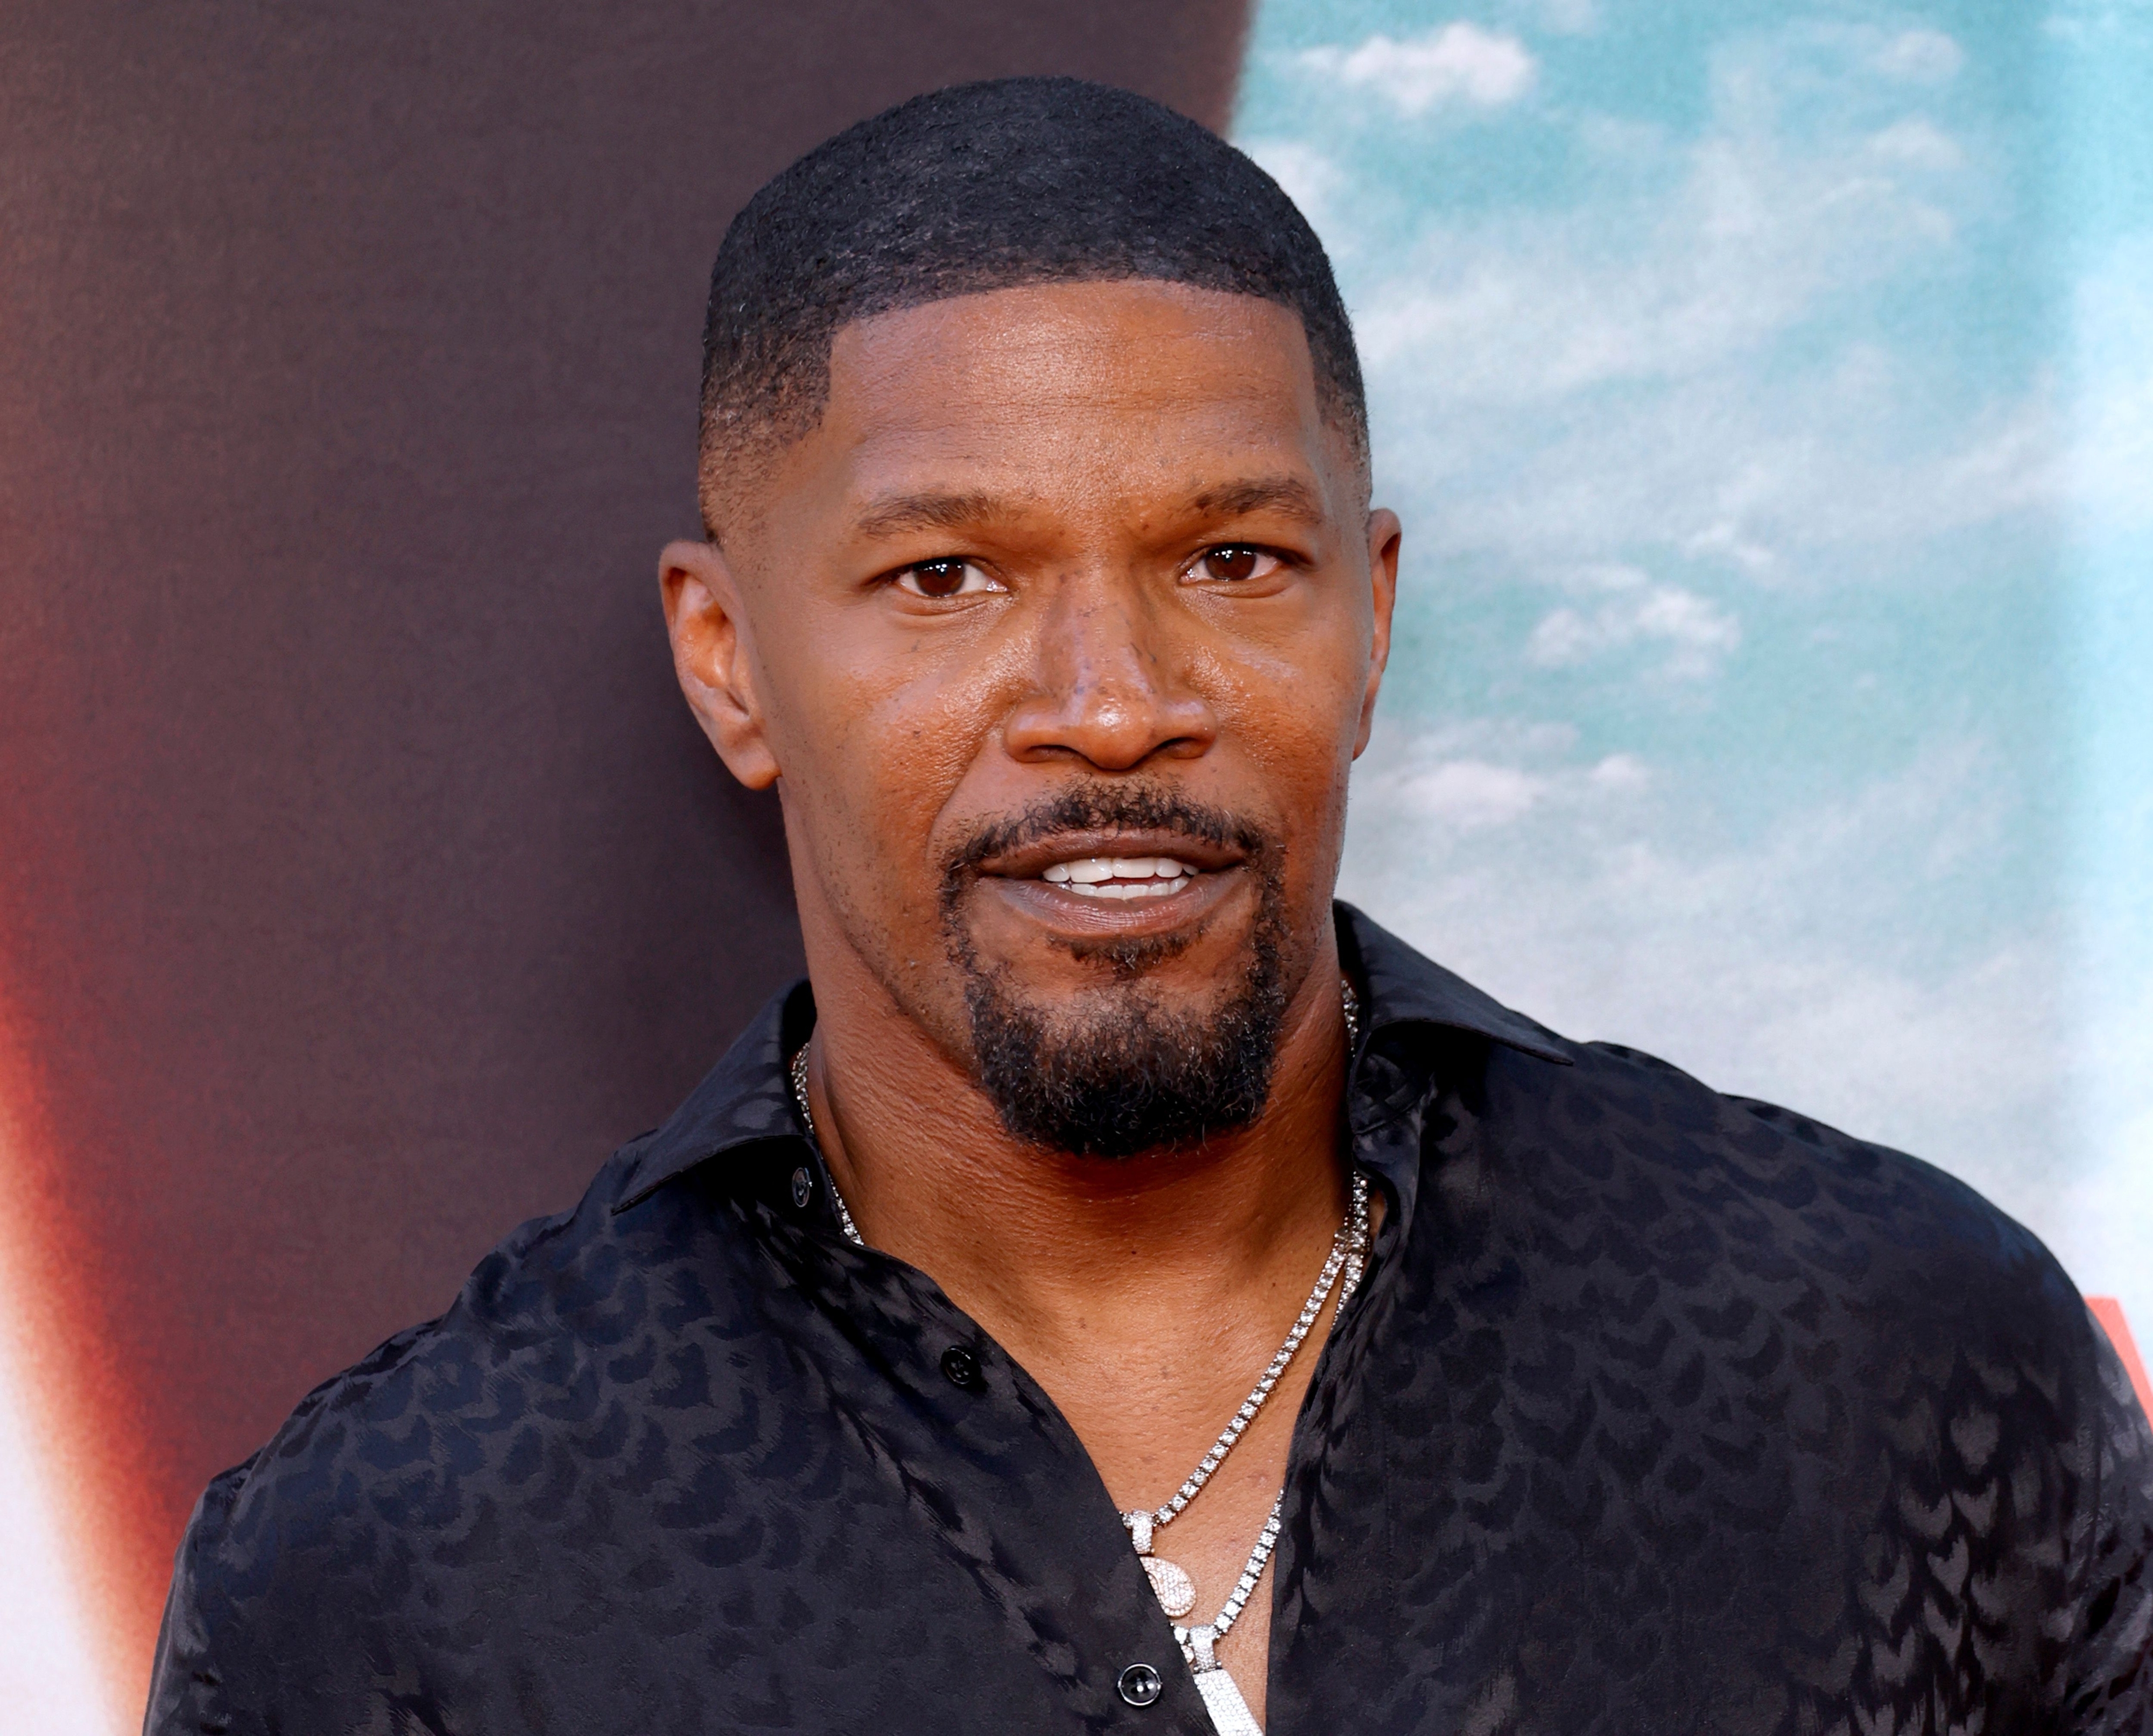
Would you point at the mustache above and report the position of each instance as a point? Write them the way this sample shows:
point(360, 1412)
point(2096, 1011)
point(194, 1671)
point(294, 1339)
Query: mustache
point(1104, 807)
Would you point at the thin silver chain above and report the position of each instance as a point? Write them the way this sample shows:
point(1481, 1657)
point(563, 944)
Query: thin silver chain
point(800, 1096)
point(1197, 1643)
point(1348, 1255)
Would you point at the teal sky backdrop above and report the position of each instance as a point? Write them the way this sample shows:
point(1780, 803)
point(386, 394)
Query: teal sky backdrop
point(1768, 394)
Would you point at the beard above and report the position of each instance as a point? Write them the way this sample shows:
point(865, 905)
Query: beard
point(1135, 1076)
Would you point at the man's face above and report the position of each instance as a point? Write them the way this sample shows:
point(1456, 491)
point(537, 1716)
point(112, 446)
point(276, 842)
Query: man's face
point(1060, 631)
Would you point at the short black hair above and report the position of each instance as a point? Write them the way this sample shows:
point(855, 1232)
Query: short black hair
point(992, 185)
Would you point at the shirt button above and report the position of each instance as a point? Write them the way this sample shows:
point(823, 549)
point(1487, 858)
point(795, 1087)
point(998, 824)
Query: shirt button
point(803, 1188)
point(1139, 1684)
point(961, 1367)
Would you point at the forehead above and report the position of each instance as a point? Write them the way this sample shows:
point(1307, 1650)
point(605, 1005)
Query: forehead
point(1091, 385)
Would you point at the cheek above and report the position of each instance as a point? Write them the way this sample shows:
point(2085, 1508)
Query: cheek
point(885, 742)
point(1291, 712)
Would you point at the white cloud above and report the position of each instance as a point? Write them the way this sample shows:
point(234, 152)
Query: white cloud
point(1837, 476)
point(1753, 238)
point(1461, 779)
point(1456, 63)
point(2101, 25)
point(2109, 464)
point(1573, 385)
point(2111, 461)
point(1465, 794)
point(1918, 144)
point(1311, 178)
point(1694, 633)
point(1919, 57)
point(1621, 771)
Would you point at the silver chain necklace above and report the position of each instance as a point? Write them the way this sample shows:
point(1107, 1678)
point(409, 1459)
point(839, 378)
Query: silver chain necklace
point(1229, 1713)
point(1170, 1583)
point(799, 1072)
point(1177, 1592)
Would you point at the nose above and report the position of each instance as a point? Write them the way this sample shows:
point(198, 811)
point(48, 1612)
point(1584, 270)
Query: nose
point(1109, 687)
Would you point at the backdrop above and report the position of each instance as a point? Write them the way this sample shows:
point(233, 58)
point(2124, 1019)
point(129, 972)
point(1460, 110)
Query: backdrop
point(1768, 392)
point(364, 881)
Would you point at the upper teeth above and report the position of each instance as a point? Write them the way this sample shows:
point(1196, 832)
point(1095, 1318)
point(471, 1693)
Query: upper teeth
point(1119, 876)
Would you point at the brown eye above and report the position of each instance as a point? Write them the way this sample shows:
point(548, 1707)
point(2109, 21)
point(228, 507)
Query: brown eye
point(952, 577)
point(1235, 562)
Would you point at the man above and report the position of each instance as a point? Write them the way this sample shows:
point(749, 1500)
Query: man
point(1120, 1289)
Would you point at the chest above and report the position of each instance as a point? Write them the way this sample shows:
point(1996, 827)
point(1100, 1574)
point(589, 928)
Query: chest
point(1492, 1518)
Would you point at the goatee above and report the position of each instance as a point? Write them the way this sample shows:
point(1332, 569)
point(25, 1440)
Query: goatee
point(1137, 1077)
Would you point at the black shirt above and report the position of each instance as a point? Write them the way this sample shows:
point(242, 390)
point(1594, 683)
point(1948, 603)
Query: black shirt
point(1659, 1411)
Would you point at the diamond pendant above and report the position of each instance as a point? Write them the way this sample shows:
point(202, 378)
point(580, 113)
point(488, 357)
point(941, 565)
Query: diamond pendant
point(1175, 1591)
point(1229, 1713)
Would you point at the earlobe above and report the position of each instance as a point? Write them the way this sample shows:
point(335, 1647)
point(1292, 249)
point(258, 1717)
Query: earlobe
point(1384, 536)
point(713, 657)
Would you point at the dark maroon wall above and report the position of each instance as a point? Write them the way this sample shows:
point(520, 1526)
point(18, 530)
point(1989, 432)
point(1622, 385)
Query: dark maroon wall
point(363, 881)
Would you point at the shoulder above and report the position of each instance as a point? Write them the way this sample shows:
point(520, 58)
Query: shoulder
point(1889, 1322)
point(1794, 1263)
point(1765, 1187)
point(328, 1536)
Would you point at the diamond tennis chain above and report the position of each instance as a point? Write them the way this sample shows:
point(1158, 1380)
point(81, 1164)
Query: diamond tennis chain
point(1176, 1592)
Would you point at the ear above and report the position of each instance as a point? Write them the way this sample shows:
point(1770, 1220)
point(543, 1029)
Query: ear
point(714, 658)
point(1385, 534)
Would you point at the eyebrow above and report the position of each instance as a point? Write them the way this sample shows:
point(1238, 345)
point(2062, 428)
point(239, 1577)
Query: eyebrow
point(895, 515)
point(1288, 496)
point(933, 510)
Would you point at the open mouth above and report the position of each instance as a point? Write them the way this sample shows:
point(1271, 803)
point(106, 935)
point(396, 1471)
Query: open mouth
point(1148, 868)
point(1120, 876)
point(1113, 866)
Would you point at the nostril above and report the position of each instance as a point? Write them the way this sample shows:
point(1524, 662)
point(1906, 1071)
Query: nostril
point(1110, 726)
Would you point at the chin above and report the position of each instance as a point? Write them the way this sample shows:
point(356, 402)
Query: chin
point(1151, 1059)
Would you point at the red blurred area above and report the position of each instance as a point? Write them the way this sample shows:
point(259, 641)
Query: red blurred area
point(2109, 1311)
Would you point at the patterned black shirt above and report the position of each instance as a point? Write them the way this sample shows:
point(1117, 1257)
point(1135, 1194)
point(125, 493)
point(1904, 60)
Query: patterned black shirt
point(1660, 1411)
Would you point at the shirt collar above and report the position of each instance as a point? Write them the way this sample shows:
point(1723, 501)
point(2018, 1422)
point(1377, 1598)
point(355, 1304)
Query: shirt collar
point(1404, 988)
point(746, 1099)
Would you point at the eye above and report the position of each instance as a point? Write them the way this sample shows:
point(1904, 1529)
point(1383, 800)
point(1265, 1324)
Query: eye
point(945, 578)
point(1234, 563)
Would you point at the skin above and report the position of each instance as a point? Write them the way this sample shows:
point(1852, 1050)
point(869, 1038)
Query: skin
point(1163, 571)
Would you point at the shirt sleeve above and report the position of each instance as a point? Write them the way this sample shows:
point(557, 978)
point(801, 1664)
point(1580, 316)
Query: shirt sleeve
point(2111, 1673)
point(189, 1689)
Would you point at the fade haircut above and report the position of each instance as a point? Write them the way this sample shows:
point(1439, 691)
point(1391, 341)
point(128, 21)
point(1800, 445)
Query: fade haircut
point(985, 186)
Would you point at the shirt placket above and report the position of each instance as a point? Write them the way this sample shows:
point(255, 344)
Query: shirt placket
point(1334, 1599)
point(994, 1475)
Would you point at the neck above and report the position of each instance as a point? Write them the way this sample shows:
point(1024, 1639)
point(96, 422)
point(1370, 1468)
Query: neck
point(1044, 1248)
